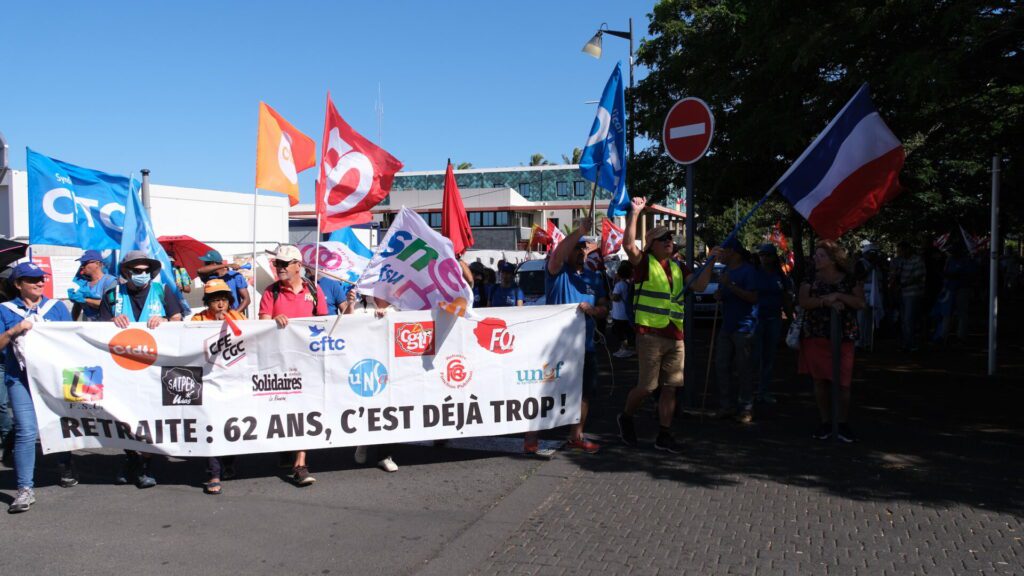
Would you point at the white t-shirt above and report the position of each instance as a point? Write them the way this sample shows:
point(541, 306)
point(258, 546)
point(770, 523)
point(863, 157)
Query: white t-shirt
point(621, 290)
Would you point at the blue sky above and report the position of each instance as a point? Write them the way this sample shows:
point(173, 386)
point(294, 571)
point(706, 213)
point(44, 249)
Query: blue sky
point(175, 86)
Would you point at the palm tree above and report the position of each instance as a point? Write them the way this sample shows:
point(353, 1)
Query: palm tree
point(577, 153)
point(464, 166)
point(538, 160)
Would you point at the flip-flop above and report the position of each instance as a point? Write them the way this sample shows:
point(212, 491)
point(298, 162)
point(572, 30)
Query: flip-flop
point(212, 488)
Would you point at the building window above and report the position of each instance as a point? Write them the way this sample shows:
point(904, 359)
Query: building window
point(488, 218)
point(525, 189)
point(562, 189)
point(474, 218)
point(501, 219)
point(579, 188)
point(435, 219)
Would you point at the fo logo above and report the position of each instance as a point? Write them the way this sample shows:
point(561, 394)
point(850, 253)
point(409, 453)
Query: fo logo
point(368, 378)
point(455, 374)
point(414, 339)
point(133, 349)
point(494, 335)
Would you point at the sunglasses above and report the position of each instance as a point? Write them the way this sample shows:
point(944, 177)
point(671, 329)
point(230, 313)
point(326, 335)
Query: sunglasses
point(665, 236)
point(138, 270)
point(284, 263)
point(34, 280)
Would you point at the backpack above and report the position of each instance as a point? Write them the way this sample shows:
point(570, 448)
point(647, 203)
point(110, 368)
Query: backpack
point(275, 291)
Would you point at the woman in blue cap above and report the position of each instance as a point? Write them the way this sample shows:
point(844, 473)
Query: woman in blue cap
point(91, 282)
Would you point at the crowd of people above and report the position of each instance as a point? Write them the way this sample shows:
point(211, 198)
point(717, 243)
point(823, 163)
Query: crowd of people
point(909, 294)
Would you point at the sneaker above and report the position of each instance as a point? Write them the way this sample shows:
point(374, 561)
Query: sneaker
point(531, 447)
point(745, 417)
point(145, 480)
point(67, 476)
point(301, 477)
point(129, 472)
point(25, 498)
point(824, 432)
point(583, 445)
point(388, 465)
point(360, 455)
point(628, 353)
point(666, 443)
point(626, 430)
point(846, 434)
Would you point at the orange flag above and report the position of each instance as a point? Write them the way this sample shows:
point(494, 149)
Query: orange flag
point(281, 153)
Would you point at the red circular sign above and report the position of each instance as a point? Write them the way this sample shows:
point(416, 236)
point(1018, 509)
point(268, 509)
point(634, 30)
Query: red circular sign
point(688, 129)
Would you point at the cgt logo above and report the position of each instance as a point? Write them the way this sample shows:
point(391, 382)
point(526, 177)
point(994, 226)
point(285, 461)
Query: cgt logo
point(320, 342)
point(455, 374)
point(133, 349)
point(182, 385)
point(545, 375)
point(223, 350)
point(368, 378)
point(494, 335)
point(83, 384)
point(414, 339)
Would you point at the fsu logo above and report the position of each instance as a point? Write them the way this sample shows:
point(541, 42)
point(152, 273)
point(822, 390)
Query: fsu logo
point(493, 334)
point(414, 339)
point(455, 374)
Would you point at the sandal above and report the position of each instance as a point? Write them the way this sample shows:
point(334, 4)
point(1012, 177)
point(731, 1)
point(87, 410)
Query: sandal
point(212, 488)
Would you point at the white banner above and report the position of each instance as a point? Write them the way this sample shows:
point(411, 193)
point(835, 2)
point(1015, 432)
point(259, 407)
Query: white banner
point(198, 389)
point(415, 268)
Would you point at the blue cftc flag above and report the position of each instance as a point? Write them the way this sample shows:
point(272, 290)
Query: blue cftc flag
point(138, 235)
point(604, 157)
point(73, 206)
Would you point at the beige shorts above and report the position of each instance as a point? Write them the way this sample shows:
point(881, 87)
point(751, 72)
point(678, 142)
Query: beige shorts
point(660, 361)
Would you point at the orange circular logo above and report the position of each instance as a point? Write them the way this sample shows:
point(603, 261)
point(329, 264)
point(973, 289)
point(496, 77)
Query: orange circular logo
point(133, 349)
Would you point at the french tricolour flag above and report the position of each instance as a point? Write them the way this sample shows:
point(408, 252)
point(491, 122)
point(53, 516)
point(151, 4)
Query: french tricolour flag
point(848, 172)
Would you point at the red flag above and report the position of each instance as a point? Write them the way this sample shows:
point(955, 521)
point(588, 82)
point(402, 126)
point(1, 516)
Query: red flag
point(355, 174)
point(555, 234)
point(454, 221)
point(538, 237)
point(611, 237)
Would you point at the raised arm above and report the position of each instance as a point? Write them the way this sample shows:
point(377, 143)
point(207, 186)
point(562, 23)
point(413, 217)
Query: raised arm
point(557, 260)
point(629, 237)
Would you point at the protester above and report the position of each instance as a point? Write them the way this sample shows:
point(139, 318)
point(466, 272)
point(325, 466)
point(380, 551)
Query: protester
point(181, 278)
point(658, 304)
point(961, 273)
point(91, 282)
point(139, 296)
point(507, 293)
point(384, 453)
point(774, 296)
point(337, 294)
point(479, 288)
point(292, 296)
point(622, 324)
point(908, 279)
point(17, 316)
point(216, 268)
point(734, 345)
point(870, 271)
point(568, 281)
point(832, 287)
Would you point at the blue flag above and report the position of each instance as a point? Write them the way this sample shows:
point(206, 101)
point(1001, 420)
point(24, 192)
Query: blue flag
point(138, 235)
point(73, 206)
point(604, 157)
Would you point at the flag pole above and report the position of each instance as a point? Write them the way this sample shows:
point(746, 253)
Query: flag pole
point(255, 197)
point(316, 254)
point(593, 205)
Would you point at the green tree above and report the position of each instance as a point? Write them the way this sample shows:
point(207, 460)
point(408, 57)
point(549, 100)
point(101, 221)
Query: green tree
point(464, 166)
point(573, 158)
point(538, 160)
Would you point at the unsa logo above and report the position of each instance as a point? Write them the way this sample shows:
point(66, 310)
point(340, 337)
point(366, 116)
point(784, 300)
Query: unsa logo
point(368, 377)
point(414, 339)
point(493, 334)
point(133, 349)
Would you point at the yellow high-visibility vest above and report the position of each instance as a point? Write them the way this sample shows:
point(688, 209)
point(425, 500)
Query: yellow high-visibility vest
point(656, 303)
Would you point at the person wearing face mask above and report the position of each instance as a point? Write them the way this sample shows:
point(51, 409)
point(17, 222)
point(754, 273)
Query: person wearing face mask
point(17, 316)
point(140, 296)
point(91, 282)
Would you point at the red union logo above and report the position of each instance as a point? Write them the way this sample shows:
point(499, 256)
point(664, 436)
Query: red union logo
point(493, 334)
point(414, 339)
point(455, 374)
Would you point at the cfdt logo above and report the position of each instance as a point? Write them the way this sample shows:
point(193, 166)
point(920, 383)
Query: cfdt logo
point(133, 349)
point(545, 375)
point(224, 350)
point(414, 339)
point(456, 374)
point(368, 378)
point(320, 342)
point(493, 334)
point(83, 384)
point(182, 385)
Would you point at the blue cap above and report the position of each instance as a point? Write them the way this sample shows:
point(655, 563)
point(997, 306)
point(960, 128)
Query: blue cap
point(28, 270)
point(507, 267)
point(212, 257)
point(91, 255)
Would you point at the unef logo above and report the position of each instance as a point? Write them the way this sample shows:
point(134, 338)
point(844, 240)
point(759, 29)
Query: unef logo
point(133, 349)
point(494, 335)
point(455, 374)
point(414, 338)
point(545, 375)
point(368, 378)
point(83, 384)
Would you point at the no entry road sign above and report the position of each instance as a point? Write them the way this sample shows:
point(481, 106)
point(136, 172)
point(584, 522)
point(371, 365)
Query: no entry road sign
point(688, 129)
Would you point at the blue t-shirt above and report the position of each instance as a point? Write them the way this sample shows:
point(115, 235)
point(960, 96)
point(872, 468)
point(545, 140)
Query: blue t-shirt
point(739, 315)
point(335, 293)
point(106, 282)
point(571, 287)
point(9, 319)
point(234, 280)
point(770, 286)
point(505, 296)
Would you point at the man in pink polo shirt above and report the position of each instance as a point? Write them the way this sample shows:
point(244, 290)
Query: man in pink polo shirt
point(292, 296)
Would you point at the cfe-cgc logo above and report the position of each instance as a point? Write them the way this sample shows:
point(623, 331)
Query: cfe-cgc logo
point(83, 384)
point(414, 339)
point(320, 342)
point(455, 374)
point(545, 375)
point(133, 349)
point(368, 378)
point(182, 385)
point(223, 349)
point(493, 334)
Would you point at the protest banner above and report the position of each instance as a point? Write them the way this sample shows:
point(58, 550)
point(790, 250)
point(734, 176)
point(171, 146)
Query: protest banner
point(199, 389)
point(415, 267)
point(337, 259)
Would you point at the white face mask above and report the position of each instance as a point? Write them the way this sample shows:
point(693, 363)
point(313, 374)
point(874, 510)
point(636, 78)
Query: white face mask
point(141, 280)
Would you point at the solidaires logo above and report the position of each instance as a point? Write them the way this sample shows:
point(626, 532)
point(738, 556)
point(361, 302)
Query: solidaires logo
point(133, 349)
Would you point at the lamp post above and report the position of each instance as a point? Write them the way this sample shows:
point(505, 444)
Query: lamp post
point(593, 48)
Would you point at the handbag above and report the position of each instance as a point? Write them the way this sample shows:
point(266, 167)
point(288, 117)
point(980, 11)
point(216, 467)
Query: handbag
point(795, 328)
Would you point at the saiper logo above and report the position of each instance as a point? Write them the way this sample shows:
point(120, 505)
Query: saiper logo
point(133, 349)
point(182, 385)
point(83, 384)
point(414, 339)
point(224, 350)
point(320, 342)
point(494, 335)
point(545, 375)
